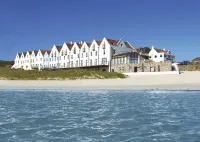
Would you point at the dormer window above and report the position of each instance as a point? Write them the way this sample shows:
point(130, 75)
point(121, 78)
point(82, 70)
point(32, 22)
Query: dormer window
point(74, 51)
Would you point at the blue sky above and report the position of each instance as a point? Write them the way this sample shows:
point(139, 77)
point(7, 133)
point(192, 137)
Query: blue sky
point(39, 24)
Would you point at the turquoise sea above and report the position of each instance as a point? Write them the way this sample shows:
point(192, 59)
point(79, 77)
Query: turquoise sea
point(99, 116)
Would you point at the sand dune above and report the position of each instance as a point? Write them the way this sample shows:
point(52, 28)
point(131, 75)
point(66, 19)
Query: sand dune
point(183, 81)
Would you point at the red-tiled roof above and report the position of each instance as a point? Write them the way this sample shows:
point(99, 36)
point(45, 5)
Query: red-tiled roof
point(88, 44)
point(59, 48)
point(113, 42)
point(79, 45)
point(44, 51)
point(48, 52)
point(69, 45)
point(98, 42)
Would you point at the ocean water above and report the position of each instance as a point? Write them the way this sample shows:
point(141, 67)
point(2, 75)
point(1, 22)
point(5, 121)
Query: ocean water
point(99, 116)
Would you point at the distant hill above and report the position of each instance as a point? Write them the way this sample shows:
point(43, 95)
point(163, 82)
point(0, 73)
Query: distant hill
point(5, 63)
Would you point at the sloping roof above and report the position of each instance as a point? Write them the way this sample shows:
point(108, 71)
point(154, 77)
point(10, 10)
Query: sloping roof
point(143, 50)
point(88, 44)
point(79, 45)
point(128, 45)
point(48, 52)
point(123, 54)
point(20, 54)
point(35, 51)
point(44, 51)
point(98, 42)
point(69, 45)
point(113, 42)
point(161, 50)
point(59, 48)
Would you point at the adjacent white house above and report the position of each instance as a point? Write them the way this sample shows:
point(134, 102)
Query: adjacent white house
point(161, 55)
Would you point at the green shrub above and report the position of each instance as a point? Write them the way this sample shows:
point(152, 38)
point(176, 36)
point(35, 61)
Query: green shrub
point(6, 73)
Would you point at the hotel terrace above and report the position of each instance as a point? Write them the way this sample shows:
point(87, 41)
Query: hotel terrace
point(97, 55)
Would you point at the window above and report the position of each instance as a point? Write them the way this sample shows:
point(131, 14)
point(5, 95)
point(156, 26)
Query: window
point(82, 55)
point(91, 53)
point(104, 46)
point(86, 54)
point(95, 53)
point(83, 49)
point(104, 51)
point(104, 61)
point(74, 51)
point(71, 56)
point(76, 63)
point(161, 55)
point(86, 62)
point(155, 56)
point(114, 51)
point(90, 62)
point(93, 47)
point(71, 63)
point(68, 56)
point(64, 57)
point(121, 45)
point(95, 61)
point(78, 55)
point(81, 62)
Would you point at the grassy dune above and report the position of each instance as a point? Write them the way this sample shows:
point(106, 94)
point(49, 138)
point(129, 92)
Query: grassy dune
point(8, 74)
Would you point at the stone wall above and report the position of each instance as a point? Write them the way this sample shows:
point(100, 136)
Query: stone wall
point(191, 67)
point(142, 67)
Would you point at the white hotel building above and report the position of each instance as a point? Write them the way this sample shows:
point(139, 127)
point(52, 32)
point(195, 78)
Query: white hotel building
point(96, 55)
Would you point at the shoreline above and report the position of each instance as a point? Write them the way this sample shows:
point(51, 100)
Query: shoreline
point(184, 81)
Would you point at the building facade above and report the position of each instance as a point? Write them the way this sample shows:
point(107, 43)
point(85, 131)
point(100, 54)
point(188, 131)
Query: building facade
point(97, 55)
point(74, 55)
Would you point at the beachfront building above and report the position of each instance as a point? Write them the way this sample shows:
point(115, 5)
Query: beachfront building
point(97, 55)
point(161, 55)
point(46, 58)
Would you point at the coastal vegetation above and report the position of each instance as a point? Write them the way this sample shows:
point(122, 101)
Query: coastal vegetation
point(5, 63)
point(10, 74)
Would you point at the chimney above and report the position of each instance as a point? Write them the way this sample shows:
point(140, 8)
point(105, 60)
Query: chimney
point(81, 41)
point(152, 47)
point(164, 49)
point(71, 42)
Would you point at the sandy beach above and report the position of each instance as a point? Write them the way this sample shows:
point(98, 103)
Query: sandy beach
point(183, 81)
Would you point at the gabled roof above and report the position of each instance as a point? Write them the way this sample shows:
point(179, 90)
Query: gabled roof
point(88, 44)
point(48, 52)
point(161, 50)
point(44, 51)
point(69, 45)
point(79, 45)
point(98, 42)
point(20, 54)
point(35, 51)
point(128, 45)
point(143, 50)
point(59, 48)
point(113, 42)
